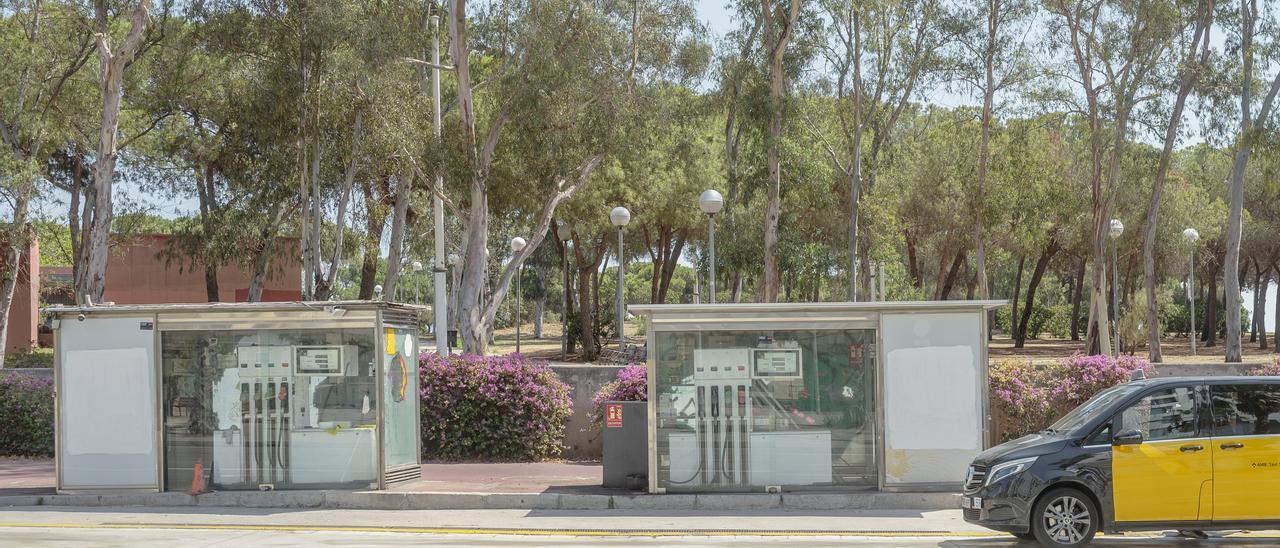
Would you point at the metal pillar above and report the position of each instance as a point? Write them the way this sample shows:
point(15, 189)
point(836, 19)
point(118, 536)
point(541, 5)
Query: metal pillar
point(519, 299)
point(564, 312)
point(711, 243)
point(440, 305)
point(1115, 302)
point(1192, 332)
point(622, 280)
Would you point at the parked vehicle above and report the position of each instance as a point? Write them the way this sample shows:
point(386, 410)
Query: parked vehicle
point(1189, 454)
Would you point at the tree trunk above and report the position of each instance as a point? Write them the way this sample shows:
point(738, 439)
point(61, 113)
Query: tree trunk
point(539, 308)
point(944, 292)
point(1076, 300)
point(1189, 74)
point(399, 222)
point(1244, 147)
point(779, 37)
point(1257, 283)
point(1211, 312)
point(1020, 337)
point(111, 85)
point(266, 251)
point(375, 219)
point(1275, 267)
point(1017, 290)
point(913, 264)
point(325, 287)
point(1260, 310)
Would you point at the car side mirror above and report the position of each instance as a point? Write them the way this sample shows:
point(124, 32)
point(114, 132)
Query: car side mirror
point(1128, 437)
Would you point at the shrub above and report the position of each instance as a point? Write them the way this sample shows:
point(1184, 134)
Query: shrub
point(26, 416)
point(1031, 396)
point(495, 407)
point(1269, 370)
point(632, 384)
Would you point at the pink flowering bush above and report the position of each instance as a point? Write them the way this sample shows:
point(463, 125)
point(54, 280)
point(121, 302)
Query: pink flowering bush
point(632, 384)
point(1030, 396)
point(26, 416)
point(491, 407)
point(1269, 370)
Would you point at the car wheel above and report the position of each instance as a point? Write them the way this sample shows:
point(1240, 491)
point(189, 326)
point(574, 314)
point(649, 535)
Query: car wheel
point(1065, 518)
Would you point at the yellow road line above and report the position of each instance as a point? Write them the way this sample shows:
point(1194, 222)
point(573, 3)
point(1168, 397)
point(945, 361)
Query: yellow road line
point(501, 531)
point(488, 531)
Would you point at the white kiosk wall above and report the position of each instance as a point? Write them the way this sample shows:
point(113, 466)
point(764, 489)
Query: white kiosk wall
point(107, 404)
point(933, 396)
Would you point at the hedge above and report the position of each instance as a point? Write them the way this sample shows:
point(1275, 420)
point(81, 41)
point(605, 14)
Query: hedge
point(492, 408)
point(26, 416)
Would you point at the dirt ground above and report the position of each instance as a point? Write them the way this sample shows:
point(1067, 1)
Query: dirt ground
point(1175, 350)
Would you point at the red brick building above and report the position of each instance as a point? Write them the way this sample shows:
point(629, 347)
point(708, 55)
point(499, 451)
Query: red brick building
point(137, 274)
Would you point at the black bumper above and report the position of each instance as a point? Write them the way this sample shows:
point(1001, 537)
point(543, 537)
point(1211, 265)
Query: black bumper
point(999, 512)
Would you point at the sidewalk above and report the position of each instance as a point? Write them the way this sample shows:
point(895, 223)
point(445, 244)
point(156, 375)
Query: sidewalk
point(467, 486)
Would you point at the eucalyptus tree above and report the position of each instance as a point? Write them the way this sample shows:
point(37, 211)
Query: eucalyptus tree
point(114, 62)
point(880, 54)
point(44, 98)
point(569, 76)
point(1190, 57)
point(778, 27)
point(1111, 53)
point(1257, 32)
point(993, 56)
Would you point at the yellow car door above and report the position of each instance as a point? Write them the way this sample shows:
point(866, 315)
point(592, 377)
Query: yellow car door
point(1161, 477)
point(1246, 451)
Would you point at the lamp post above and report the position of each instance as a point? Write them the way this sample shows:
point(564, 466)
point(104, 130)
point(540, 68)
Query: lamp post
point(565, 233)
point(620, 217)
point(1117, 228)
point(1191, 236)
point(517, 244)
point(710, 202)
point(417, 268)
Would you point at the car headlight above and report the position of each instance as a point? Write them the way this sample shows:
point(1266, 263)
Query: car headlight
point(1008, 469)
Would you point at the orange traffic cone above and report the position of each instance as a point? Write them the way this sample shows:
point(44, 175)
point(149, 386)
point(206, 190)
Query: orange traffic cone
point(197, 479)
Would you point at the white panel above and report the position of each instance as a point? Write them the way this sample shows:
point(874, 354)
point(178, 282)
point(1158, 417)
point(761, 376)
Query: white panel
point(104, 388)
point(932, 395)
point(107, 403)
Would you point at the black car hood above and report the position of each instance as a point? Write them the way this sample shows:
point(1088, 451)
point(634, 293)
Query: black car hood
point(1032, 445)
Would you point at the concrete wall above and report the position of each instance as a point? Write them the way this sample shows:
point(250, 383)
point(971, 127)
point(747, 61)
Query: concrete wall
point(1203, 369)
point(584, 381)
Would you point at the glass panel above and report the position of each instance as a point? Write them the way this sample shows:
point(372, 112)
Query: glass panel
point(1246, 410)
point(1163, 415)
point(285, 409)
point(742, 410)
point(399, 359)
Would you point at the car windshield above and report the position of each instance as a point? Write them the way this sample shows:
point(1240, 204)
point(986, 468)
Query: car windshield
point(1090, 409)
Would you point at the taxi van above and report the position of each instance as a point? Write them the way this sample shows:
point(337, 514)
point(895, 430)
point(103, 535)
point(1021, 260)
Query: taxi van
point(1188, 454)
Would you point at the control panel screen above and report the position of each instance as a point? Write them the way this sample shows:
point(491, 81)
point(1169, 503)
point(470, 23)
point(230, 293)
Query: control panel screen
point(319, 360)
point(777, 362)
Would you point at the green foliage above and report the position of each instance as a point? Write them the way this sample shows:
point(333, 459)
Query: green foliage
point(496, 408)
point(26, 416)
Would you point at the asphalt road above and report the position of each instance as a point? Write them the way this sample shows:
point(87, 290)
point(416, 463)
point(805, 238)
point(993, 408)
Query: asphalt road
point(187, 538)
point(243, 527)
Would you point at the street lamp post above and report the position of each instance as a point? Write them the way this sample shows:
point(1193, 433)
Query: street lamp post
point(620, 217)
point(1191, 235)
point(1117, 228)
point(517, 244)
point(417, 269)
point(710, 202)
point(565, 233)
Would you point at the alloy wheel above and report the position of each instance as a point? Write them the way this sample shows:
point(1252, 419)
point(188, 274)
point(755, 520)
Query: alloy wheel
point(1067, 520)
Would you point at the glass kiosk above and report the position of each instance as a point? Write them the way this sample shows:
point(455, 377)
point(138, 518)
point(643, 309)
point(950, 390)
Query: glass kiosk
point(246, 396)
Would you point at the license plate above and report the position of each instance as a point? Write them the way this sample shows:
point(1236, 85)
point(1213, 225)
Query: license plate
point(971, 502)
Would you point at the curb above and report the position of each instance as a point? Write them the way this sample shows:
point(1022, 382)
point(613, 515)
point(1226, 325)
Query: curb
point(391, 500)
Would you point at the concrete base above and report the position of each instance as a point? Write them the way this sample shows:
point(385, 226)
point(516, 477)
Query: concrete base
point(392, 500)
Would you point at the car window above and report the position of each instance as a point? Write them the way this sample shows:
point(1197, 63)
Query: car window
point(1101, 437)
point(1245, 409)
point(1168, 414)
